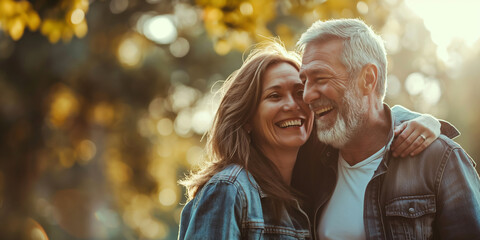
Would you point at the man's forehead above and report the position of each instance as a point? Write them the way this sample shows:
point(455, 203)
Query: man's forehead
point(315, 66)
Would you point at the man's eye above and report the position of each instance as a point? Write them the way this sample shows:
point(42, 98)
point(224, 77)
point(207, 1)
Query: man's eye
point(321, 79)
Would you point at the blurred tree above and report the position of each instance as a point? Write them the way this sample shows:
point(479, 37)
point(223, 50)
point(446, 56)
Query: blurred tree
point(59, 19)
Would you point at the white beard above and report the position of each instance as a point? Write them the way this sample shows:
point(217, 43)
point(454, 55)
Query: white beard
point(350, 118)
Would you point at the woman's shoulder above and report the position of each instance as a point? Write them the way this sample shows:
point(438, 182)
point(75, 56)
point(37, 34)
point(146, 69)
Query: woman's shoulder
point(233, 173)
point(237, 176)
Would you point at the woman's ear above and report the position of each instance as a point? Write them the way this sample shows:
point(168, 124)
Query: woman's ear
point(369, 77)
point(247, 128)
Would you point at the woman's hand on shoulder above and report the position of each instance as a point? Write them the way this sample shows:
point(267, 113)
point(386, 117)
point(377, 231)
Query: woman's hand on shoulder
point(412, 137)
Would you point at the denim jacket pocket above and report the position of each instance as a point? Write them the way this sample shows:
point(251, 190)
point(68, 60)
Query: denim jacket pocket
point(411, 217)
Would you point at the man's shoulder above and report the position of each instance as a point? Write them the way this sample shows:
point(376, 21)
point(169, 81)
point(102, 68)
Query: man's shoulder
point(441, 148)
point(424, 169)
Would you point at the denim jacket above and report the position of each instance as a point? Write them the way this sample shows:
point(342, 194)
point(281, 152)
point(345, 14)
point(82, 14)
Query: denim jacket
point(434, 195)
point(232, 206)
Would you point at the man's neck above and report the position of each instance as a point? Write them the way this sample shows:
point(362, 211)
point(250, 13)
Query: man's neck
point(370, 138)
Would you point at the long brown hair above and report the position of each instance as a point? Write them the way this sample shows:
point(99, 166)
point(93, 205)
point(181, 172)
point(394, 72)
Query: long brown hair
point(228, 142)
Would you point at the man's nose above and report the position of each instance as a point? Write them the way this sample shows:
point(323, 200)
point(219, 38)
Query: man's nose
point(310, 93)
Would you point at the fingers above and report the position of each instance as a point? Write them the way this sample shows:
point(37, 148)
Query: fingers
point(407, 142)
point(417, 145)
point(422, 146)
point(412, 140)
point(402, 132)
point(398, 129)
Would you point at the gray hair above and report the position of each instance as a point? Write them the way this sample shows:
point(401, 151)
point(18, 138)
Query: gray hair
point(360, 46)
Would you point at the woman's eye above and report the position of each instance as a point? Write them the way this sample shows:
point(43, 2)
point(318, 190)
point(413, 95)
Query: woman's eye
point(300, 93)
point(273, 95)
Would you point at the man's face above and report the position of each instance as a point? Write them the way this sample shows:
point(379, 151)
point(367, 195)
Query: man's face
point(334, 98)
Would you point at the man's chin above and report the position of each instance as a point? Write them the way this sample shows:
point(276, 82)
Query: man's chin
point(336, 142)
point(335, 135)
point(323, 125)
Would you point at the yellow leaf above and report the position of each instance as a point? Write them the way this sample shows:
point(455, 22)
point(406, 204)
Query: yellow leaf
point(222, 47)
point(54, 35)
point(47, 27)
point(81, 4)
point(212, 14)
point(22, 6)
point(67, 34)
point(16, 28)
point(7, 8)
point(80, 29)
point(33, 21)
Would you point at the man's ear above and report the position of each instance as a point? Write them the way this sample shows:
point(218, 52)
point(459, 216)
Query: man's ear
point(369, 77)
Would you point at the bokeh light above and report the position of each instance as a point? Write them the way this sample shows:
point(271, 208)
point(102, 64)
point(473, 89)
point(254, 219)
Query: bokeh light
point(86, 150)
point(183, 123)
point(165, 126)
point(362, 8)
point(415, 83)
point(118, 6)
point(246, 8)
point(167, 197)
point(393, 86)
point(77, 16)
point(64, 104)
point(160, 29)
point(130, 52)
point(432, 92)
point(180, 47)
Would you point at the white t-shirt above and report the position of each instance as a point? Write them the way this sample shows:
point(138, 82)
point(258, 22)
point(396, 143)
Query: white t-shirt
point(342, 217)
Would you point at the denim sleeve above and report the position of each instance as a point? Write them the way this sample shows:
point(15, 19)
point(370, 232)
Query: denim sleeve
point(458, 206)
point(403, 114)
point(215, 213)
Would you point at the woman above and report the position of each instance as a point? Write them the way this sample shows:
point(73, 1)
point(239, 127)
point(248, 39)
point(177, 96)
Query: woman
point(244, 190)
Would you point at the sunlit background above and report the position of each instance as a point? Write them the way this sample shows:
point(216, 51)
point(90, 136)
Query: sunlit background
point(103, 102)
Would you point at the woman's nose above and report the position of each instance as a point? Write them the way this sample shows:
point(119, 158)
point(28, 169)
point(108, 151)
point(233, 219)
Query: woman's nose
point(291, 104)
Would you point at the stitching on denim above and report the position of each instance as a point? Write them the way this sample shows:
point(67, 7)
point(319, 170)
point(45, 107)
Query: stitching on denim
point(410, 197)
point(430, 205)
point(276, 229)
point(441, 168)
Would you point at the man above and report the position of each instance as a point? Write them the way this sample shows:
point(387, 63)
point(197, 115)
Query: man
point(359, 190)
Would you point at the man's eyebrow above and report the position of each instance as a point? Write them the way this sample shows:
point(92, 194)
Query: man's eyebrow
point(316, 71)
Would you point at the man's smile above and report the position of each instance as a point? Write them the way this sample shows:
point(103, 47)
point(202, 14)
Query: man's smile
point(320, 112)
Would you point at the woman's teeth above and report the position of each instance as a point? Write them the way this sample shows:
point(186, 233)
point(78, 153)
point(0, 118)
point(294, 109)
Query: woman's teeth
point(291, 123)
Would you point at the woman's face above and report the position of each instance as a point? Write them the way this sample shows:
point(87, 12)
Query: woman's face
point(282, 119)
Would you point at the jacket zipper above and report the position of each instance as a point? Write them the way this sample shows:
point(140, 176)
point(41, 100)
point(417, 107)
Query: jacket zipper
point(303, 212)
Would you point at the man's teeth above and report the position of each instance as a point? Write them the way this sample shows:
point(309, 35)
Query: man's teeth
point(291, 123)
point(324, 109)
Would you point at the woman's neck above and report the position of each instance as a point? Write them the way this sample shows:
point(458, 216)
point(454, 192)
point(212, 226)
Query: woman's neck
point(284, 159)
